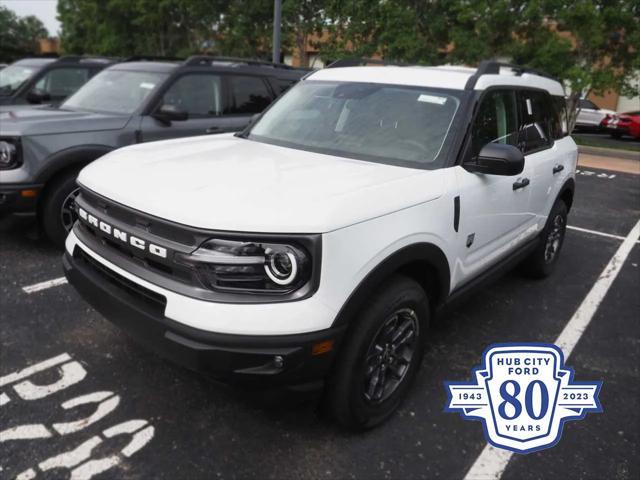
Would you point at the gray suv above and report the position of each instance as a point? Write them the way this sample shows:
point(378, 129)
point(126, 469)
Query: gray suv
point(34, 81)
point(43, 148)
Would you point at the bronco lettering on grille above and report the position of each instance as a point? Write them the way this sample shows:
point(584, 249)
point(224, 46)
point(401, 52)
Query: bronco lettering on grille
point(121, 235)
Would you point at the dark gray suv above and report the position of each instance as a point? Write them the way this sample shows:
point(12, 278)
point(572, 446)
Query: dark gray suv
point(43, 148)
point(34, 81)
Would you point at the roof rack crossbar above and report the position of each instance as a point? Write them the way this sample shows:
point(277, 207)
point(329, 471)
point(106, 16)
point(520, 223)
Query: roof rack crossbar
point(492, 67)
point(209, 59)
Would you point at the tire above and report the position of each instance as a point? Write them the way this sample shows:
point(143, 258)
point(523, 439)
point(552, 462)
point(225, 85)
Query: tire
point(350, 398)
point(56, 214)
point(542, 262)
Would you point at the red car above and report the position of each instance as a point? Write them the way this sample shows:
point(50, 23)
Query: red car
point(624, 124)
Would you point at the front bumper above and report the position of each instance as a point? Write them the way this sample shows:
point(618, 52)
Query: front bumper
point(260, 360)
point(19, 199)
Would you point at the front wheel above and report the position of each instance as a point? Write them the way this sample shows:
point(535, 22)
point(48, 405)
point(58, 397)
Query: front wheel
point(58, 213)
point(380, 356)
point(542, 261)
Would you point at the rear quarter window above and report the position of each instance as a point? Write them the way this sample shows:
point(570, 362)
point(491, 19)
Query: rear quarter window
point(248, 95)
point(538, 120)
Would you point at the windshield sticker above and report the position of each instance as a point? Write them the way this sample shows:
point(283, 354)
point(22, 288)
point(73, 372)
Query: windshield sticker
point(432, 99)
point(147, 85)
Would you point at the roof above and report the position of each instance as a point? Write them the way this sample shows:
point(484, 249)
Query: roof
point(446, 76)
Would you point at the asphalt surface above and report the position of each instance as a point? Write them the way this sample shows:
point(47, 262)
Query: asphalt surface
point(191, 428)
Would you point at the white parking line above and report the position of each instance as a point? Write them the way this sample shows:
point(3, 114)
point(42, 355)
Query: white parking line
point(491, 463)
point(44, 285)
point(595, 232)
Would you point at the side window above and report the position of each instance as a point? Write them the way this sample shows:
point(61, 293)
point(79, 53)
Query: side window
point(62, 82)
point(283, 84)
point(537, 120)
point(200, 95)
point(248, 95)
point(496, 121)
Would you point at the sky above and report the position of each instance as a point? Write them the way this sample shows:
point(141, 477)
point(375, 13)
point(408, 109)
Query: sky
point(45, 10)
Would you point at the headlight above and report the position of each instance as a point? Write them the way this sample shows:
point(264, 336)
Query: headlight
point(8, 155)
point(251, 267)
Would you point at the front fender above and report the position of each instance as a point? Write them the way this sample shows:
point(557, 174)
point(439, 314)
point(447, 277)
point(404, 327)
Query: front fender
point(73, 157)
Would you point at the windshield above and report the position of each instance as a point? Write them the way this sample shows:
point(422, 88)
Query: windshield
point(13, 76)
point(381, 123)
point(115, 91)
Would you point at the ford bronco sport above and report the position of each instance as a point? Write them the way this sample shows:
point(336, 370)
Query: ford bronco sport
point(42, 149)
point(35, 81)
point(314, 248)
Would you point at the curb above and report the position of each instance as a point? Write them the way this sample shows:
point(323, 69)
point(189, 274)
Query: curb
point(609, 152)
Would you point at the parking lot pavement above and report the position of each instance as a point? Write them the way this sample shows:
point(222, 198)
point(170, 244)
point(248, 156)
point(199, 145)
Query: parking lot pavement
point(156, 420)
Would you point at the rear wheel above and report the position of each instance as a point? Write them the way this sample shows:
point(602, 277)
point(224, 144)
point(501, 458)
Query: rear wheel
point(58, 214)
point(380, 356)
point(543, 260)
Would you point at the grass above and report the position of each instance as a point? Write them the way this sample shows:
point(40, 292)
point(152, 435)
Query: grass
point(594, 142)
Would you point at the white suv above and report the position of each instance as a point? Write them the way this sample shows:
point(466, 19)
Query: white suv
point(315, 248)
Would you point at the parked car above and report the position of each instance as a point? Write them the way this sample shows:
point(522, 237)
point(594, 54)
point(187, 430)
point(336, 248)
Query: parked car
point(590, 116)
point(42, 149)
point(627, 123)
point(35, 81)
point(315, 247)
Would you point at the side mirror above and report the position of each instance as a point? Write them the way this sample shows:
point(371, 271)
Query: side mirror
point(170, 113)
point(37, 96)
point(497, 159)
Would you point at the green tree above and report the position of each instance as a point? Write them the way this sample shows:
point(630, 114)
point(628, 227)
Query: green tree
point(593, 45)
point(301, 20)
point(19, 35)
point(137, 27)
point(244, 29)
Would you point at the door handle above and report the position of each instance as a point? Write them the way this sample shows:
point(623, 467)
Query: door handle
point(558, 168)
point(521, 183)
point(213, 129)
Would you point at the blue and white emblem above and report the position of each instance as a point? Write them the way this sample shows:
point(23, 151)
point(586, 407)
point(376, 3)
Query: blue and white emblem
point(523, 394)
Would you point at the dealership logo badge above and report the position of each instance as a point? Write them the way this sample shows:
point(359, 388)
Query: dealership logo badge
point(523, 394)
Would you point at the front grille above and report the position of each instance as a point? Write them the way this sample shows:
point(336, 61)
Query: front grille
point(145, 299)
point(135, 219)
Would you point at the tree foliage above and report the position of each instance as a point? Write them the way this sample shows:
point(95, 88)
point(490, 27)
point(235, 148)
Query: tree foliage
point(19, 35)
point(137, 27)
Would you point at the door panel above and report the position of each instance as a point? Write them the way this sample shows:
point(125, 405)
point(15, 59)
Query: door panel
point(215, 104)
point(547, 163)
point(495, 217)
point(202, 96)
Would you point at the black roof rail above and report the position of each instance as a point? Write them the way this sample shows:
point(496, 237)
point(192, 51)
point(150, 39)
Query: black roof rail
point(362, 61)
point(152, 58)
point(492, 67)
point(210, 59)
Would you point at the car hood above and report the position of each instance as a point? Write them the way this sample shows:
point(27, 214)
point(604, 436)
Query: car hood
point(40, 120)
point(229, 183)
